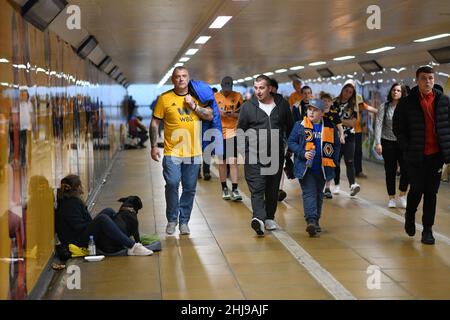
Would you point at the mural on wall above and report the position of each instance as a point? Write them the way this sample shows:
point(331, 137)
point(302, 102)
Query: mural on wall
point(55, 114)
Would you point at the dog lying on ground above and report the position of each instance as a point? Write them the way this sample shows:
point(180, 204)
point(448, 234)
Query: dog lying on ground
point(127, 221)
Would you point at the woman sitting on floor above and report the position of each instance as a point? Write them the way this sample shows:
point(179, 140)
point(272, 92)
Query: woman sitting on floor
point(74, 224)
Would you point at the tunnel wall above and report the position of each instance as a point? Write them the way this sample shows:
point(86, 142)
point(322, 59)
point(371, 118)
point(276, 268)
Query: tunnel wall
point(59, 115)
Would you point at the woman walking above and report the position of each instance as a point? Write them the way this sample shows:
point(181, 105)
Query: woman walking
point(387, 146)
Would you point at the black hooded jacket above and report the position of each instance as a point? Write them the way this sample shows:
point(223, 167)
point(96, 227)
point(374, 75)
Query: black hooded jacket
point(251, 116)
point(409, 126)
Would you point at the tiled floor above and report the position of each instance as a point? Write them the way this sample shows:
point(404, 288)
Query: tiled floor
point(223, 259)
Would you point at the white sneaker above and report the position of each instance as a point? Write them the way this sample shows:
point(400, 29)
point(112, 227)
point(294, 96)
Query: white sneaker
point(139, 250)
point(258, 226)
point(354, 189)
point(184, 229)
point(392, 203)
point(270, 224)
point(170, 229)
point(403, 202)
point(337, 189)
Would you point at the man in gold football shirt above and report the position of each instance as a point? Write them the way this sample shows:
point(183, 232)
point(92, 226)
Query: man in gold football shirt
point(182, 116)
point(229, 103)
point(297, 95)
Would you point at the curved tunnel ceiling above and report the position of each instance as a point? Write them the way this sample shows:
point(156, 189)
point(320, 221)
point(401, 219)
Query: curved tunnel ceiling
point(146, 37)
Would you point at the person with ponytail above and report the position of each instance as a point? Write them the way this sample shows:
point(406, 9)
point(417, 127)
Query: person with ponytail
point(74, 223)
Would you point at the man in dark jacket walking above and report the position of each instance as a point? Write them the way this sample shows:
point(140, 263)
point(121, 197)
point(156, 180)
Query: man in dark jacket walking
point(265, 121)
point(421, 123)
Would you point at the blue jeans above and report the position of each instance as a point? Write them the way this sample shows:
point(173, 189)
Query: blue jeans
point(186, 170)
point(105, 231)
point(312, 186)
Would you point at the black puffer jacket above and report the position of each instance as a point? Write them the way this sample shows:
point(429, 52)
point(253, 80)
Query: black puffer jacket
point(409, 126)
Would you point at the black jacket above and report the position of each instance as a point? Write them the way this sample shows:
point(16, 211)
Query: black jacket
point(71, 220)
point(252, 117)
point(409, 126)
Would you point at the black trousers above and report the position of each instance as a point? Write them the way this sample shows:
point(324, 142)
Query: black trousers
point(206, 168)
point(358, 153)
point(392, 156)
point(424, 180)
point(348, 152)
point(106, 232)
point(263, 189)
point(142, 136)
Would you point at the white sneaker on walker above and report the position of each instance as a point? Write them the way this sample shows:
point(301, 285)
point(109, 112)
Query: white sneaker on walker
point(139, 250)
point(337, 189)
point(403, 202)
point(392, 203)
point(270, 224)
point(354, 189)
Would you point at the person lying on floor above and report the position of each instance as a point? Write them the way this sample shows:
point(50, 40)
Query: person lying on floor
point(74, 223)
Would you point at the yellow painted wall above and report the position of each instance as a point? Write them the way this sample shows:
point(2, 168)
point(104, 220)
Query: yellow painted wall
point(59, 142)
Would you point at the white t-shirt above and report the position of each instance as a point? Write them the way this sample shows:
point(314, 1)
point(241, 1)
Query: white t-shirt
point(26, 109)
point(267, 108)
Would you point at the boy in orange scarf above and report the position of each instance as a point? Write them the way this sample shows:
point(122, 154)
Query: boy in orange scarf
point(315, 144)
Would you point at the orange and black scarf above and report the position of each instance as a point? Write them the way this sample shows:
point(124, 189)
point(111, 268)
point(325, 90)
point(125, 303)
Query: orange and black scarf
point(327, 140)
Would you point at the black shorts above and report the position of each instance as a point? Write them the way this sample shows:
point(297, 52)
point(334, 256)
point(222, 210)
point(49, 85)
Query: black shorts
point(229, 148)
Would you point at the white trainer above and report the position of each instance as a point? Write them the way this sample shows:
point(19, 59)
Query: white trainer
point(184, 229)
point(337, 189)
point(139, 250)
point(170, 229)
point(403, 202)
point(354, 189)
point(270, 224)
point(392, 203)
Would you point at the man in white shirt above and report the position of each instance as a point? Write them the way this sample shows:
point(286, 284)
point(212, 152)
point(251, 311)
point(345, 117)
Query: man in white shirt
point(269, 116)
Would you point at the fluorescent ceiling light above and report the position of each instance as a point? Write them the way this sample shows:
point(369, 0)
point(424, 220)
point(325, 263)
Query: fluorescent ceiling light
point(202, 39)
point(165, 78)
point(268, 74)
point(380, 49)
point(443, 35)
point(240, 80)
point(248, 78)
point(317, 63)
point(443, 74)
point(185, 59)
point(178, 64)
point(220, 22)
point(255, 76)
point(297, 68)
point(344, 58)
point(280, 70)
point(398, 70)
point(191, 52)
point(2, 60)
